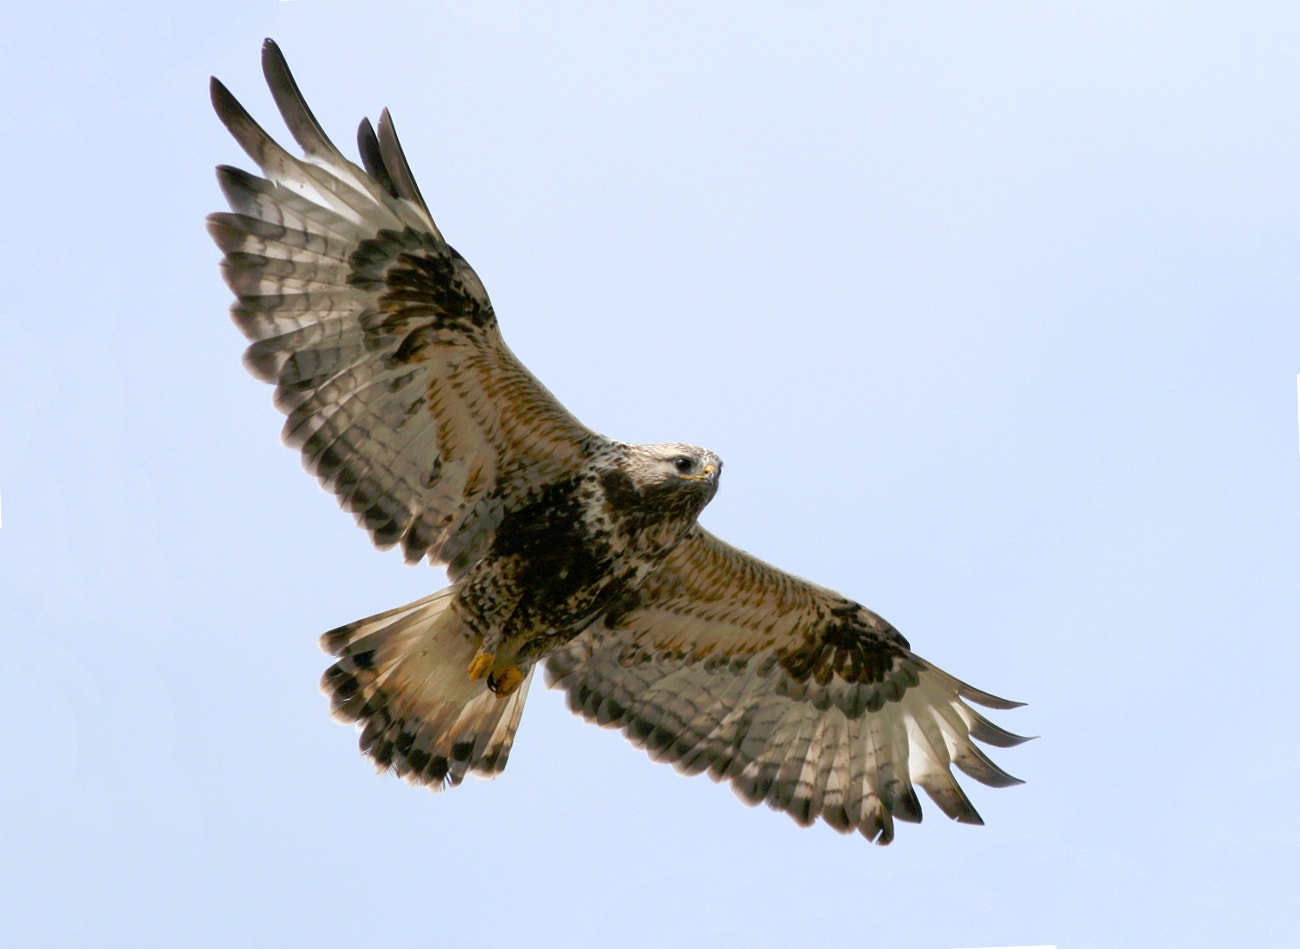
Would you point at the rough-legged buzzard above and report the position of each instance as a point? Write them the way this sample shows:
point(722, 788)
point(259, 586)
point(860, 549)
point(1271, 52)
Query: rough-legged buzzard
point(563, 546)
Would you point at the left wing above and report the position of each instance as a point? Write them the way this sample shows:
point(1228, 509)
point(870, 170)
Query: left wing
point(795, 694)
point(400, 392)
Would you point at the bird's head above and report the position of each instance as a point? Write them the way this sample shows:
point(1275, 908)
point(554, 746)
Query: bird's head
point(670, 464)
point(672, 474)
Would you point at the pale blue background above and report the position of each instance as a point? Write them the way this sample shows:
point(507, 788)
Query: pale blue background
point(991, 309)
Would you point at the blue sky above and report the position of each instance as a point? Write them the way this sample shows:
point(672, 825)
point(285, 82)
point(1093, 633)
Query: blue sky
point(990, 308)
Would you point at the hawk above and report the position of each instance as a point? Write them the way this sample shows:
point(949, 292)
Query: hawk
point(564, 548)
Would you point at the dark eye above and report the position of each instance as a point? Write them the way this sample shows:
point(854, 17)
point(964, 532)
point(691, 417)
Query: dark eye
point(683, 464)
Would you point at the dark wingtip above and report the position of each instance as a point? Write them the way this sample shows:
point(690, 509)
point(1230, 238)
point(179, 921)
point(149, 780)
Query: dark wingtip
point(223, 100)
point(987, 699)
point(985, 731)
point(372, 158)
point(252, 138)
point(302, 123)
point(273, 61)
point(394, 159)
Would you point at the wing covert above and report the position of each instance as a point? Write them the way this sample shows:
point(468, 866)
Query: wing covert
point(388, 363)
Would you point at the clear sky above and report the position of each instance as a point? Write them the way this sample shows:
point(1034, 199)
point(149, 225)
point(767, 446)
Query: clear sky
point(992, 310)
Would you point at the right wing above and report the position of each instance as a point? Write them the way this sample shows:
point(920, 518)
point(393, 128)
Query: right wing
point(385, 351)
point(795, 694)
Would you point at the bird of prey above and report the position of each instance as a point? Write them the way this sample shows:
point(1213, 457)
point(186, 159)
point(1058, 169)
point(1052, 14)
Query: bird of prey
point(564, 548)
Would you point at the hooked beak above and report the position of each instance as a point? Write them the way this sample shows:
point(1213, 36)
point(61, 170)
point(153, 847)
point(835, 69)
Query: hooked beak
point(710, 471)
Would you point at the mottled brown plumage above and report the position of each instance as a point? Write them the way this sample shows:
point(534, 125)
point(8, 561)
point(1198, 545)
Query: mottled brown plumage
point(563, 546)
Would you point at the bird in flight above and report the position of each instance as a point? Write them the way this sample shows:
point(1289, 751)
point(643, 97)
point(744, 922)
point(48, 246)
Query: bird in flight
point(565, 549)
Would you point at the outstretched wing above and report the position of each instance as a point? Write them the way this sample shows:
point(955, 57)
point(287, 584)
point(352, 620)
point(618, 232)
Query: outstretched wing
point(384, 348)
point(796, 695)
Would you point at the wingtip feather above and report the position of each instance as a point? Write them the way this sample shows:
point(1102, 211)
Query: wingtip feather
point(298, 117)
point(390, 148)
point(987, 699)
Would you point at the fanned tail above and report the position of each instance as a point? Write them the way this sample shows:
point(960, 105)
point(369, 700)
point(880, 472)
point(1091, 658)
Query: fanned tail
point(402, 677)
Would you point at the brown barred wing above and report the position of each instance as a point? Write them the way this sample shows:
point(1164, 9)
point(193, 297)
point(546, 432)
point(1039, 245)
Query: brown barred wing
point(797, 696)
point(399, 390)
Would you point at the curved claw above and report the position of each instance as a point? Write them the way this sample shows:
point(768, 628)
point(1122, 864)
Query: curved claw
point(505, 682)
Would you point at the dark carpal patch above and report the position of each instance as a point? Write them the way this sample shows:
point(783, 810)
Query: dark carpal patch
point(419, 279)
point(430, 285)
point(844, 646)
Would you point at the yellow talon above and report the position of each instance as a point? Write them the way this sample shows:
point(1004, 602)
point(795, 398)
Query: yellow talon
point(505, 682)
point(481, 665)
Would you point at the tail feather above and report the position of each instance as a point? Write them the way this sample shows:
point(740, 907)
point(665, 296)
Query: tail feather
point(402, 677)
